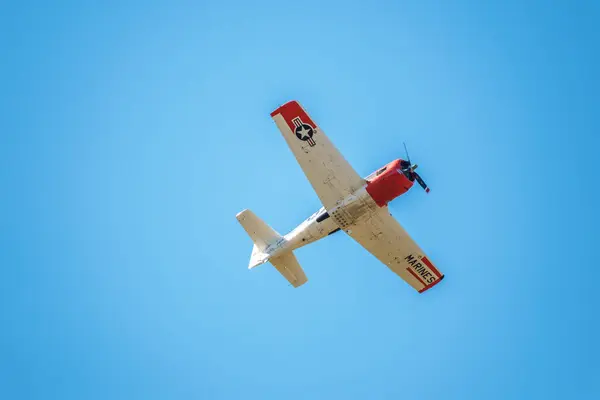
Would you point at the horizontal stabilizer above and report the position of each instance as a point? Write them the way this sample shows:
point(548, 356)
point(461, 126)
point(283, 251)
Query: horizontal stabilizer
point(288, 266)
point(261, 234)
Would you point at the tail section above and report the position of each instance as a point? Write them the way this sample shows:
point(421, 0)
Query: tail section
point(290, 268)
point(268, 246)
point(266, 239)
point(261, 234)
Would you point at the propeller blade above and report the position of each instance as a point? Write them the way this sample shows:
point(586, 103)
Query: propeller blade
point(407, 156)
point(421, 182)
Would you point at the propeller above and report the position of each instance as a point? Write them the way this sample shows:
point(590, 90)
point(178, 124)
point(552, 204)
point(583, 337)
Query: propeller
point(411, 169)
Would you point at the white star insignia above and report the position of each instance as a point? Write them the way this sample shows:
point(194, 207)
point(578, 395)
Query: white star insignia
point(303, 132)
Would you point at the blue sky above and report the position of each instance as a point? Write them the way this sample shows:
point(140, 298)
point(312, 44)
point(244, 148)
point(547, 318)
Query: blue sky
point(133, 132)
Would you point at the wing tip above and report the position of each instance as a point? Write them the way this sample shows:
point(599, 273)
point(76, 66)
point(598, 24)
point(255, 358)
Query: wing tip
point(432, 285)
point(241, 214)
point(289, 104)
point(299, 282)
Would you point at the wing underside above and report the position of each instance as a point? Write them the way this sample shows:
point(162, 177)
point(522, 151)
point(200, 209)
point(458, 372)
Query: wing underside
point(385, 238)
point(330, 175)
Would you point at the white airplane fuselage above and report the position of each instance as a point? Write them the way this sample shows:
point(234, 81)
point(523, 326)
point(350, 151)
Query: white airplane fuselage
point(380, 187)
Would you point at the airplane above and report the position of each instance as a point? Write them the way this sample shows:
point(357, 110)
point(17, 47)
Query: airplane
point(355, 205)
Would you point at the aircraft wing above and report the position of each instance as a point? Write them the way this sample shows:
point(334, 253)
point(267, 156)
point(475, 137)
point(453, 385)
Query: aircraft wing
point(385, 238)
point(330, 175)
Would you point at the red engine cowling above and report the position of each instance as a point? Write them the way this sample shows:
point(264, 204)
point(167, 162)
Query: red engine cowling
point(388, 183)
